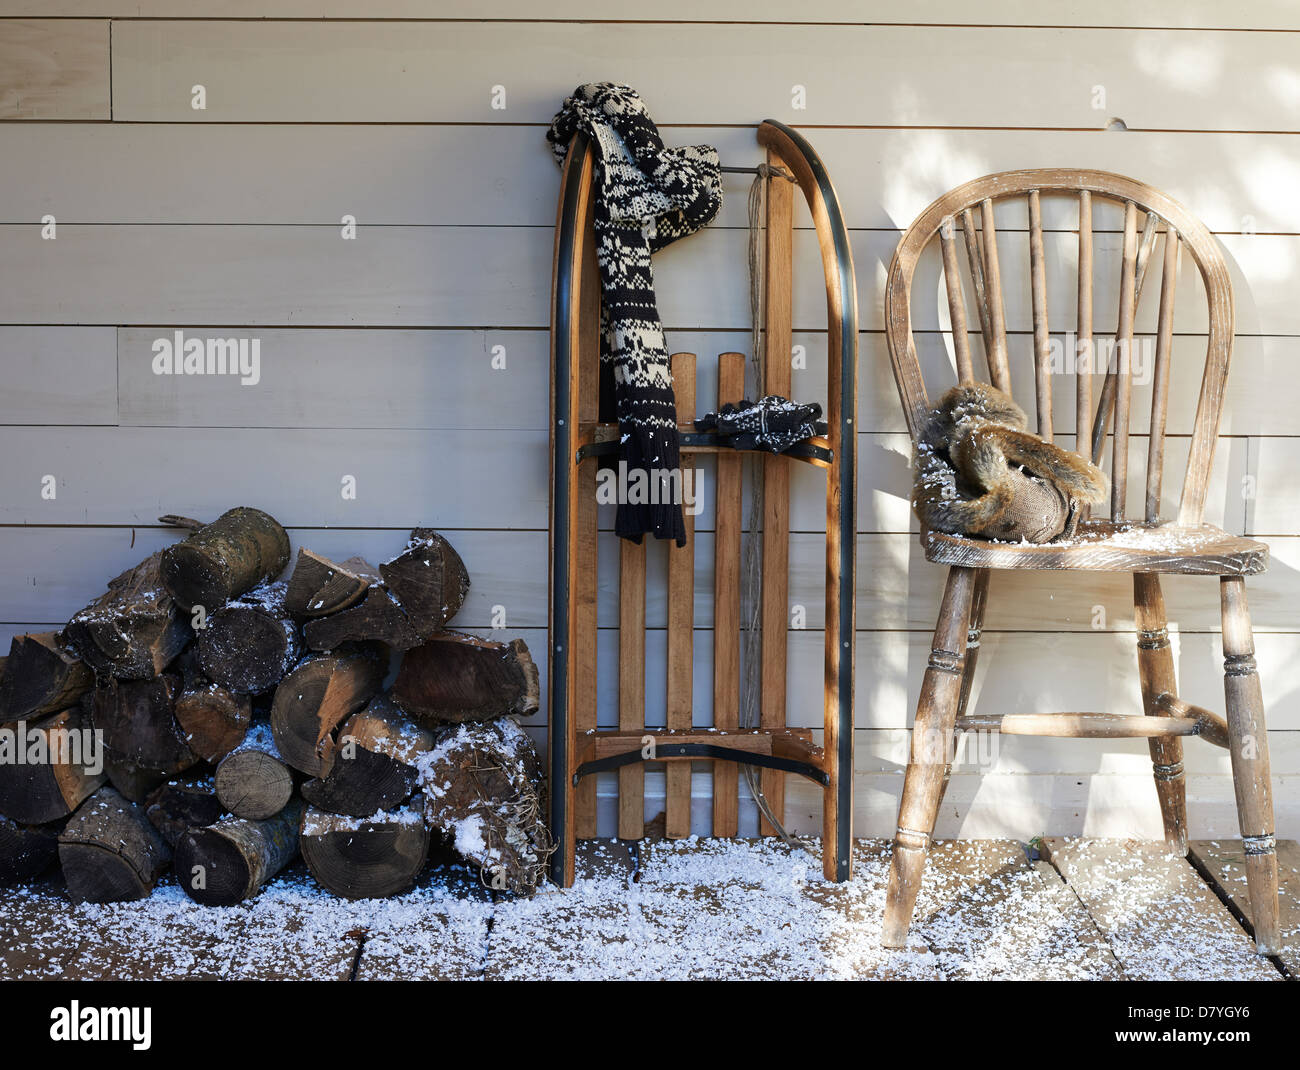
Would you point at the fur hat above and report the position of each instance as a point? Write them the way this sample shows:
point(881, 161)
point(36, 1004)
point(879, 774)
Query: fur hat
point(979, 472)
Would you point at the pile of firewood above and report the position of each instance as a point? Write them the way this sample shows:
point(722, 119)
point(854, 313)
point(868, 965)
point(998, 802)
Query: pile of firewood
point(203, 715)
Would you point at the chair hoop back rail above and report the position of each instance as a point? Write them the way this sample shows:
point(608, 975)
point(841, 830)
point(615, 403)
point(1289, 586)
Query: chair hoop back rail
point(578, 748)
point(1145, 548)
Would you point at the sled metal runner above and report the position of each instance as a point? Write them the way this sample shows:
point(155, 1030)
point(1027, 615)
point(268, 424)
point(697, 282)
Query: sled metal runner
point(579, 749)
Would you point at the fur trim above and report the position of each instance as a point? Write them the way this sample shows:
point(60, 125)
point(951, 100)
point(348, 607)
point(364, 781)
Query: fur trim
point(979, 472)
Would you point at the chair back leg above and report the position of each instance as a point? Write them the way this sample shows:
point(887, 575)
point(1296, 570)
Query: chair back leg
point(1250, 768)
point(932, 734)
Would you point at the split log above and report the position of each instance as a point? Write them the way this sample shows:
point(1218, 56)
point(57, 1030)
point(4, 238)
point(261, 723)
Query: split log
point(134, 629)
point(48, 768)
point(428, 580)
point(482, 787)
point(374, 765)
point(376, 618)
point(248, 645)
point(138, 724)
point(26, 851)
point(180, 805)
point(213, 719)
point(238, 551)
point(455, 677)
point(42, 675)
point(228, 862)
point(318, 696)
point(131, 781)
point(109, 852)
point(319, 587)
point(366, 857)
point(253, 781)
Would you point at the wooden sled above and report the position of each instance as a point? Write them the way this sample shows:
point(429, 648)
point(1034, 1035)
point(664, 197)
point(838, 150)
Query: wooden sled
point(578, 748)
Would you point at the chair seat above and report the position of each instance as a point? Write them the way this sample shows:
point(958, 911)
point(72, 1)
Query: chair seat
point(1106, 546)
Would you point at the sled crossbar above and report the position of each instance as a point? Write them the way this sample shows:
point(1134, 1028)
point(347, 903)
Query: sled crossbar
point(598, 680)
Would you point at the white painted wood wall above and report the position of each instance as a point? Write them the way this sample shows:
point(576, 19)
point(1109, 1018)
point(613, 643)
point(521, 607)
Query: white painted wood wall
point(377, 352)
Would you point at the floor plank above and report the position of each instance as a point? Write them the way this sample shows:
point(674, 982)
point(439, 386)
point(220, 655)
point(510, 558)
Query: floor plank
point(1159, 917)
point(1225, 861)
point(988, 913)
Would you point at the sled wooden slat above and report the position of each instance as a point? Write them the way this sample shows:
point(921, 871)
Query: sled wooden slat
point(581, 443)
point(681, 628)
point(631, 682)
point(1145, 549)
point(726, 603)
point(1042, 336)
point(777, 300)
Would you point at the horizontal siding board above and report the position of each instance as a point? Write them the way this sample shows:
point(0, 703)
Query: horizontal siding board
point(439, 379)
point(50, 573)
point(1259, 15)
point(54, 69)
point(500, 276)
point(420, 175)
point(890, 76)
point(455, 479)
point(58, 375)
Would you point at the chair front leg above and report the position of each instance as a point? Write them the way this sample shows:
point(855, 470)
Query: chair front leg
point(1156, 671)
point(932, 735)
point(1250, 769)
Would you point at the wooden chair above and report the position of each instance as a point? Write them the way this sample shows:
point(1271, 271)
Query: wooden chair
point(579, 749)
point(1146, 548)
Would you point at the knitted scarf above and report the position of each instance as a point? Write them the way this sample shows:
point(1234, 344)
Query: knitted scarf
point(647, 197)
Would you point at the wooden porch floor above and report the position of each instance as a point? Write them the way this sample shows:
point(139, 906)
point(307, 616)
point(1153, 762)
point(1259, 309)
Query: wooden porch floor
point(1099, 909)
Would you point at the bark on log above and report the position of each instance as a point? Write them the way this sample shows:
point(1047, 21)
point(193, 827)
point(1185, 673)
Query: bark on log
point(138, 724)
point(48, 767)
point(180, 805)
point(131, 781)
point(482, 787)
point(375, 765)
point(376, 618)
point(213, 719)
point(253, 781)
point(110, 852)
point(42, 675)
point(319, 587)
point(228, 862)
point(26, 851)
point(366, 857)
point(238, 551)
point(134, 629)
point(428, 580)
point(248, 645)
point(455, 677)
point(318, 696)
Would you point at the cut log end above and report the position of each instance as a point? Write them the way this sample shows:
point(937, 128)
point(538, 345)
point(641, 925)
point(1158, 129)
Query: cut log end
point(110, 852)
point(455, 677)
point(238, 551)
point(366, 858)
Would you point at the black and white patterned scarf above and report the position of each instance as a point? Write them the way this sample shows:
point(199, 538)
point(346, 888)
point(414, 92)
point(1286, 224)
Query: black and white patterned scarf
point(647, 197)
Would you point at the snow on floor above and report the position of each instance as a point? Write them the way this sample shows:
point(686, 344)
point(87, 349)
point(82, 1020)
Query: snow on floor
point(696, 909)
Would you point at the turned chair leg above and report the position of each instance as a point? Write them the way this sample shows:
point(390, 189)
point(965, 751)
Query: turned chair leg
point(978, 601)
point(932, 735)
point(1156, 671)
point(1250, 770)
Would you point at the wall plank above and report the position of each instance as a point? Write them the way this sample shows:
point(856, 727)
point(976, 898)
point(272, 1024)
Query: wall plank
point(1260, 15)
point(880, 76)
point(402, 174)
point(60, 375)
point(54, 69)
point(500, 276)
